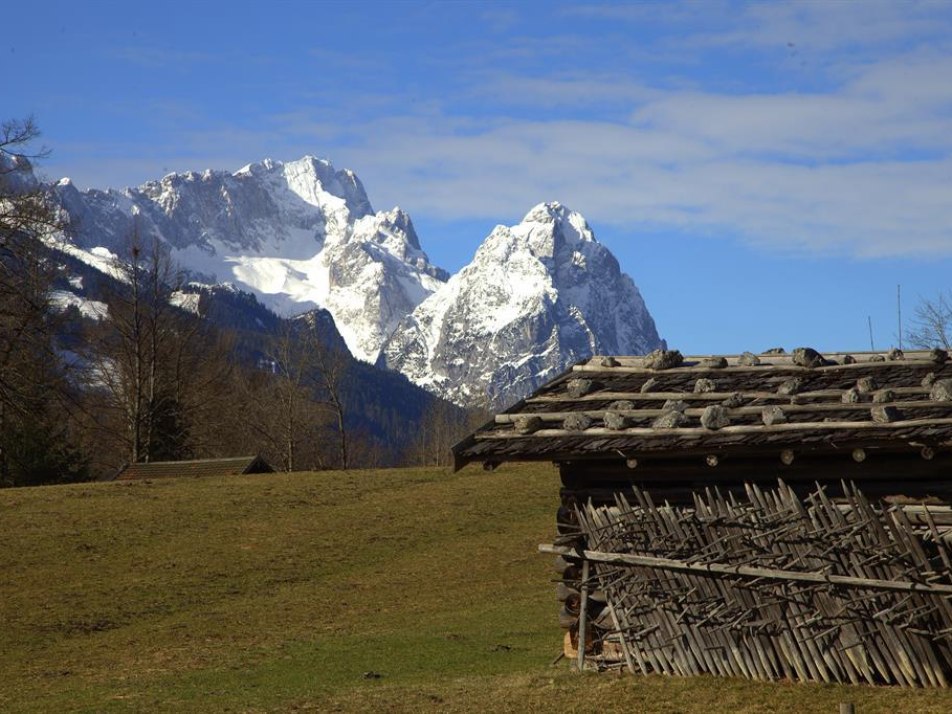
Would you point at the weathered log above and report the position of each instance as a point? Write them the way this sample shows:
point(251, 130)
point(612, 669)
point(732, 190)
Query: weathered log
point(583, 618)
point(750, 571)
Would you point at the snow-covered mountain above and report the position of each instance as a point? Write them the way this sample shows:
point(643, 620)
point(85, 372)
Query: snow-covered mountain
point(536, 298)
point(297, 234)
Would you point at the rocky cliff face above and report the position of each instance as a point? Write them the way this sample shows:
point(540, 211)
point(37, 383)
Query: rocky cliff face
point(298, 235)
point(536, 298)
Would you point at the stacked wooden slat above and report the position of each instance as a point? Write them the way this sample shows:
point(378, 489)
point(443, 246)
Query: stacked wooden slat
point(770, 586)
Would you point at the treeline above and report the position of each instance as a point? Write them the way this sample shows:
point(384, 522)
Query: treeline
point(148, 368)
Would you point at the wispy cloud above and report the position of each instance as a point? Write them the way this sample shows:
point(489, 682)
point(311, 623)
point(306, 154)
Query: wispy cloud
point(687, 116)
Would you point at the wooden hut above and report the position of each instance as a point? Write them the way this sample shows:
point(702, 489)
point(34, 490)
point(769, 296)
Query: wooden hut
point(769, 516)
point(233, 466)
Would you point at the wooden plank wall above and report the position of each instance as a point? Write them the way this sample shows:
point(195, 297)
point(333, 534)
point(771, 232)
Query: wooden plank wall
point(768, 585)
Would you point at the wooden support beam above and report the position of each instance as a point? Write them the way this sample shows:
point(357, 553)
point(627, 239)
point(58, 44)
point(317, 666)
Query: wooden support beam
point(791, 428)
point(711, 397)
point(768, 363)
point(746, 571)
point(583, 617)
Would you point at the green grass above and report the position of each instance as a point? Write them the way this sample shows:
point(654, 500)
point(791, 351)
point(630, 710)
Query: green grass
point(279, 592)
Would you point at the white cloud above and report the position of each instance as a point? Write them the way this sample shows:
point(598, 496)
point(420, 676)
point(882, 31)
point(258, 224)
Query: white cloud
point(854, 159)
point(863, 170)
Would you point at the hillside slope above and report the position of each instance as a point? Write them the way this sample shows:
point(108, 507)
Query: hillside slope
point(292, 592)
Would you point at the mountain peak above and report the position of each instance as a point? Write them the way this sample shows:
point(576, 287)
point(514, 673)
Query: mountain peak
point(546, 212)
point(299, 234)
point(537, 297)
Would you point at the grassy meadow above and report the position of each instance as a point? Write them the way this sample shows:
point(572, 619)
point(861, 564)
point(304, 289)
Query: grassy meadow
point(400, 590)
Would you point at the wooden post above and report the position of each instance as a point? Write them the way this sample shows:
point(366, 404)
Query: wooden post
point(583, 617)
point(624, 642)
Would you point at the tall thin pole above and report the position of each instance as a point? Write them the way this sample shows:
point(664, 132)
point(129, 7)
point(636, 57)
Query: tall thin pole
point(899, 312)
point(869, 320)
point(582, 618)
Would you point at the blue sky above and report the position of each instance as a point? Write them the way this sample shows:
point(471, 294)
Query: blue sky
point(768, 173)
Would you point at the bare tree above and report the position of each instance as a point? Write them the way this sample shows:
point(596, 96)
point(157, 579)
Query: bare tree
point(932, 323)
point(329, 366)
point(34, 392)
point(25, 208)
point(288, 364)
point(442, 424)
point(148, 360)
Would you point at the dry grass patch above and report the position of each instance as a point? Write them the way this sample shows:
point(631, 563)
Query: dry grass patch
point(284, 592)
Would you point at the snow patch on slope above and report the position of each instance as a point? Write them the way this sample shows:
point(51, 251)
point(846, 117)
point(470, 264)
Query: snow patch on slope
point(62, 300)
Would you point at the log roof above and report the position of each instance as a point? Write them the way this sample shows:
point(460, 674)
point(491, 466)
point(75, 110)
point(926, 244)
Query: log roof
point(664, 404)
point(201, 467)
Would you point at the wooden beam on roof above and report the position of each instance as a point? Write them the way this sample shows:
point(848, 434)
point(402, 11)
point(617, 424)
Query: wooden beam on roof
point(772, 361)
point(732, 411)
point(740, 429)
point(606, 395)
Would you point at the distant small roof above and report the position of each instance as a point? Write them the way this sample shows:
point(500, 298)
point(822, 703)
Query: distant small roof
point(666, 405)
point(201, 467)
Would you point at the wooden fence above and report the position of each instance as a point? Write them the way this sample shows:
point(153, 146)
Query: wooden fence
point(767, 587)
